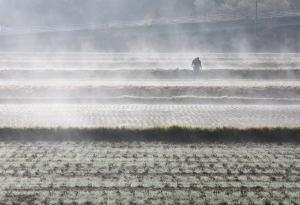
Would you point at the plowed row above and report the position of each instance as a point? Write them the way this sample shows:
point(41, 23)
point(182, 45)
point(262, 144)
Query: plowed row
point(147, 115)
point(149, 173)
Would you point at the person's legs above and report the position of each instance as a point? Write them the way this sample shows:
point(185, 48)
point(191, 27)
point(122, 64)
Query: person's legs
point(196, 69)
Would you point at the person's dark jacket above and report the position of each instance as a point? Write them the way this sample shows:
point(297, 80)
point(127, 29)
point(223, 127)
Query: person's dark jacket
point(196, 62)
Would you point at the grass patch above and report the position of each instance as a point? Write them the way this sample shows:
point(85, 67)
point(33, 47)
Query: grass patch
point(170, 134)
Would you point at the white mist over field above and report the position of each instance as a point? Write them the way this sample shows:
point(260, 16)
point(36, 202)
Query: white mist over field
point(148, 89)
point(99, 102)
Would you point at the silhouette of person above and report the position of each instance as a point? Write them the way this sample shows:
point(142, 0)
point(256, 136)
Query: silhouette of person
point(197, 65)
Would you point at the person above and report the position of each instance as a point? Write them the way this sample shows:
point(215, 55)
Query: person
point(197, 65)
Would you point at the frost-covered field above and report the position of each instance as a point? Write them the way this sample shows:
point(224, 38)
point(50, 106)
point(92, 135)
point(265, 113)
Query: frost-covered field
point(147, 115)
point(149, 173)
point(112, 97)
point(95, 61)
point(84, 90)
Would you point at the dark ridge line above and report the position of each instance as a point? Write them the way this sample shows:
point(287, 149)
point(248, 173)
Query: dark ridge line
point(143, 93)
point(192, 162)
point(153, 74)
point(165, 188)
point(169, 134)
point(157, 159)
point(154, 100)
point(187, 162)
point(205, 174)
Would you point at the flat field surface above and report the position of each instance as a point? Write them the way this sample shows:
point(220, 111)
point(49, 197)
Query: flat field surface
point(142, 61)
point(148, 115)
point(143, 82)
point(152, 173)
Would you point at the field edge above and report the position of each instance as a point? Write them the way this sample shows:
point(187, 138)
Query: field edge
point(168, 134)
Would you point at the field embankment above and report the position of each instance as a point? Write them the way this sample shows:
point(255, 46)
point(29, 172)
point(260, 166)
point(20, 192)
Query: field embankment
point(154, 73)
point(170, 134)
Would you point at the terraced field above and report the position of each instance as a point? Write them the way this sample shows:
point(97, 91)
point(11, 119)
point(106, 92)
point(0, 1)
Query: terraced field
point(106, 90)
point(149, 173)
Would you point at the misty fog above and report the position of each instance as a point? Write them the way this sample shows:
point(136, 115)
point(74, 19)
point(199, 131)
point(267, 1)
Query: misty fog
point(140, 51)
point(61, 12)
point(149, 101)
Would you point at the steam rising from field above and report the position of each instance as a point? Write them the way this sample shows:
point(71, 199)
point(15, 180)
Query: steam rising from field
point(75, 89)
point(104, 70)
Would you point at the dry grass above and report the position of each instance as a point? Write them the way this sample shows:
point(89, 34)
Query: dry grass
point(169, 134)
point(253, 73)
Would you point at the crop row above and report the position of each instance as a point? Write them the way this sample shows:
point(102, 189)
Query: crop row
point(131, 196)
point(148, 173)
point(143, 115)
point(131, 90)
